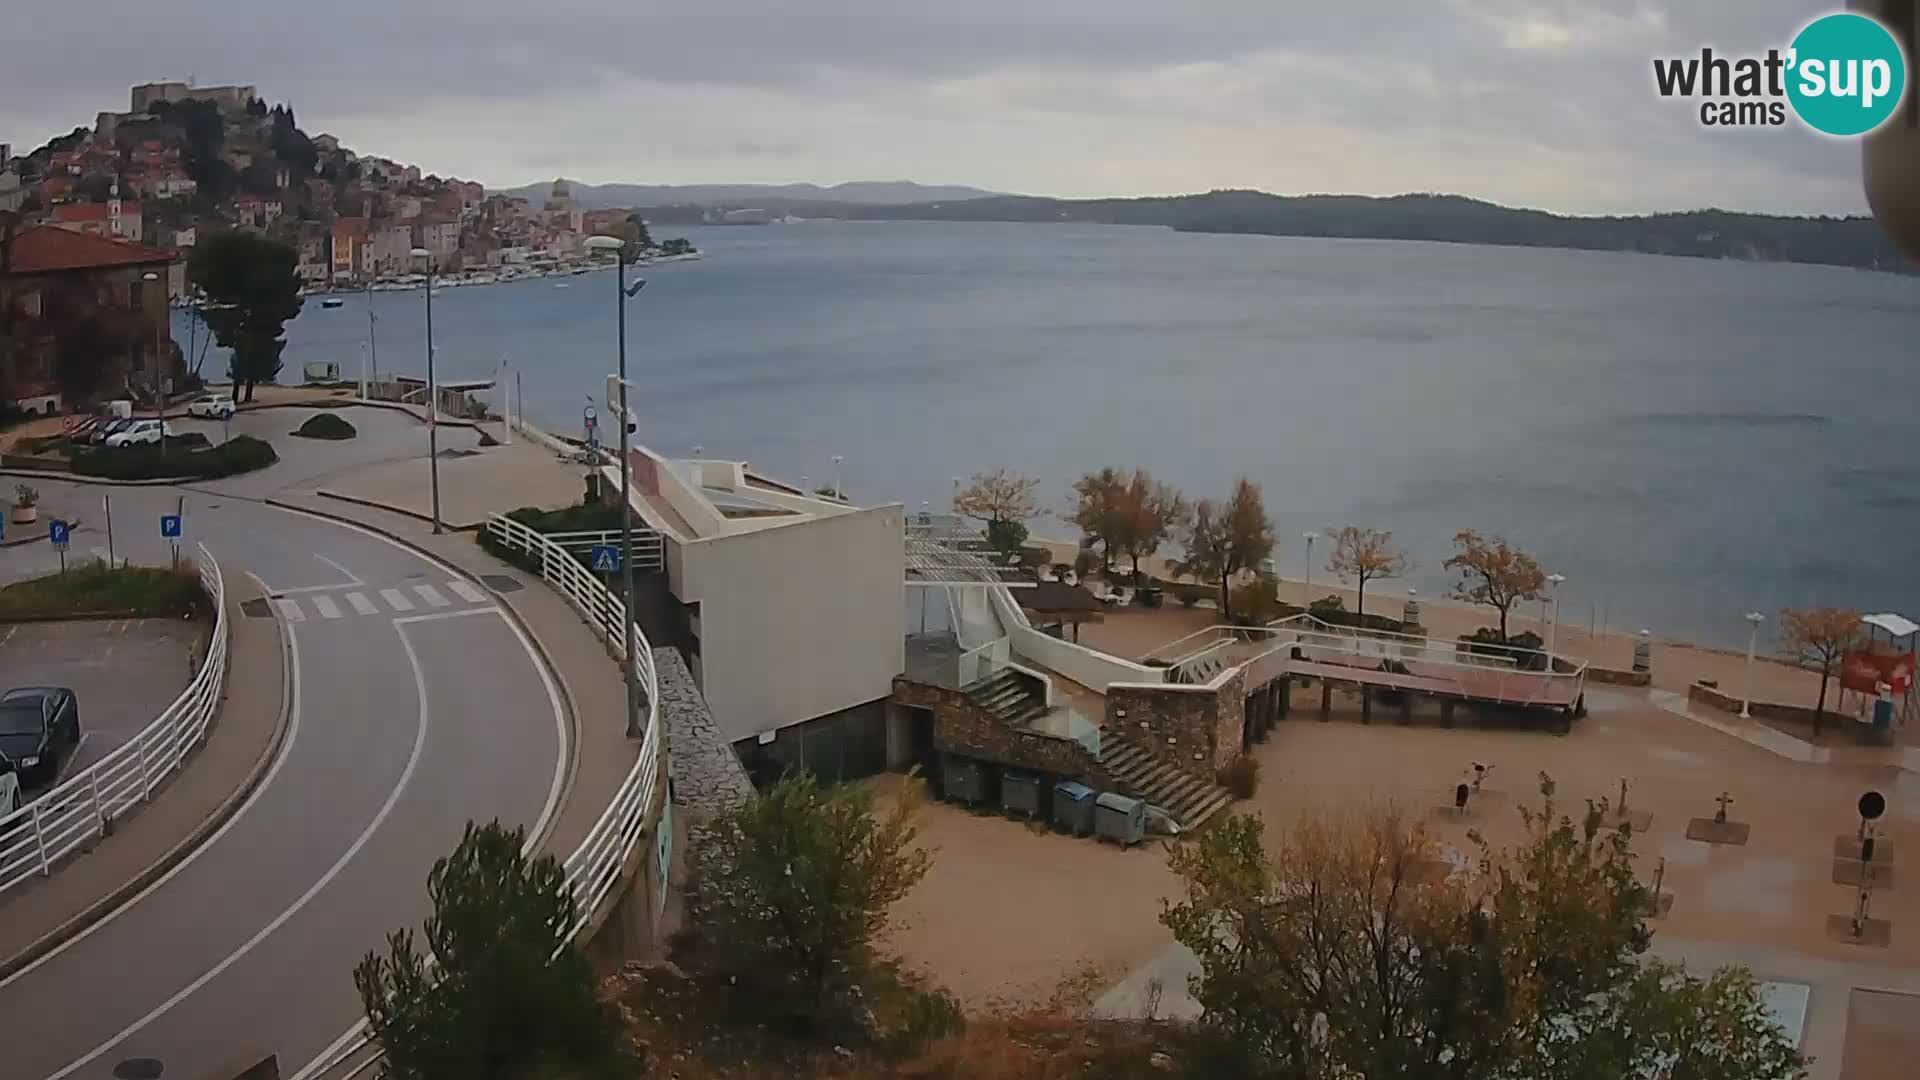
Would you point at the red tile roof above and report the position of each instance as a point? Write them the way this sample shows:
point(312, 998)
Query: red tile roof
point(47, 248)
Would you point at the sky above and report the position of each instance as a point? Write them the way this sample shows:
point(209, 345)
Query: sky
point(1541, 103)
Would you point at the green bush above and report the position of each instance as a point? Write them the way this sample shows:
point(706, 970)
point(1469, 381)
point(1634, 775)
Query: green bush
point(325, 425)
point(1522, 647)
point(96, 588)
point(242, 453)
point(582, 517)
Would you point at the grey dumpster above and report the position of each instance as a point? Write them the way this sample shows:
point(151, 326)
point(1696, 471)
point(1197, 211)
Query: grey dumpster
point(1119, 818)
point(966, 781)
point(1020, 793)
point(1073, 807)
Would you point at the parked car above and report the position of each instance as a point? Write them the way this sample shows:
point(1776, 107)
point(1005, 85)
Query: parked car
point(107, 427)
point(140, 432)
point(211, 406)
point(39, 725)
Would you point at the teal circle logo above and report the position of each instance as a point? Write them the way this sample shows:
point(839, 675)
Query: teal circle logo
point(1847, 75)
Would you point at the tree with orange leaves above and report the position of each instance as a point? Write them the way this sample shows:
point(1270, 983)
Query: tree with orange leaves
point(1818, 638)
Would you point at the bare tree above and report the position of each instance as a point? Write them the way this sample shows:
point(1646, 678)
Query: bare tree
point(1365, 555)
point(1148, 514)
point(1095, 510)
point(1819, 638)
point(1223, 539)
point(1494, 574)
point(1001, 495)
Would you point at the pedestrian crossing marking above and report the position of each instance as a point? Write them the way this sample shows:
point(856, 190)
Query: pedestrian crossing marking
point(431, 595)
point(467, 592)
point(290, 610)
point(362, 605)
point(327, 608)
point(396, 599)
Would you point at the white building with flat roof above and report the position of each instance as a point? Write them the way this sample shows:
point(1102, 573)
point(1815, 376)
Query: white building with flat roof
point(789, 602)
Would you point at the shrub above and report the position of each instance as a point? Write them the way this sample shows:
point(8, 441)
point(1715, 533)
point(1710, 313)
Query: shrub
point(1006, 538)
point(1487, 641)
point(1240, 776)
point(325, 425)
point(930, 1015)
point(1084, 562)
point(242, 453)
point(1330, 609)
point(25, 495)
point(95, 588)
point(1255, 603)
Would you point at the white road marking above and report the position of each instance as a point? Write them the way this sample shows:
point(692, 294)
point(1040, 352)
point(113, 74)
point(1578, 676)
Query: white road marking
point(362, 605)
point(323, 588)
point(467, 592)
point(386, 808)
point(291, 610)
point(439, 615)
point(286, 747)
point(432, 596)
point(396, 599)
point(328, 609)
point(344, 572)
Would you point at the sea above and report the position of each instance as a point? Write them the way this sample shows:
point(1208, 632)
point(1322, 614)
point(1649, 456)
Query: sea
point(1685, 440)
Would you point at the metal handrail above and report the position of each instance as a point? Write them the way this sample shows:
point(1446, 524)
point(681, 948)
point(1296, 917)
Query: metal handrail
point(82, 808)
point(593, 869)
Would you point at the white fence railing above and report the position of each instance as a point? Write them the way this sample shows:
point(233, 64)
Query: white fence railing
point(649, 551)
point(593, 870)
point(83, 807)
point(983, 662)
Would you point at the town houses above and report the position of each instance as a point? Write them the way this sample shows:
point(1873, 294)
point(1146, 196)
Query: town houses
point(184, 161)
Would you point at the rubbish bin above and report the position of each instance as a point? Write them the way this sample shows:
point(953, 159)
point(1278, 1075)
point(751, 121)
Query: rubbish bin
point(1151, 596)
point(1073, 807)
point(1120, 819)
point(1020, 793)
point(966, 781)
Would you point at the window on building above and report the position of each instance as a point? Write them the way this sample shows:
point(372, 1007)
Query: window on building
point(136, 294)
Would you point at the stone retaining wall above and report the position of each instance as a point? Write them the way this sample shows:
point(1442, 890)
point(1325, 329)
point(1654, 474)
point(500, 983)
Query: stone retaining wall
point(960, 726)
point(1619, 678)
point(1197, 728)
point(1713, 697)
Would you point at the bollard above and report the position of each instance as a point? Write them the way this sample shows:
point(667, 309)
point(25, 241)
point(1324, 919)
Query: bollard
point(1643, 653)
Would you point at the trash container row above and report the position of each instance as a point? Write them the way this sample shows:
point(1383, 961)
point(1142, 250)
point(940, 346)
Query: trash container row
point(1076, 808)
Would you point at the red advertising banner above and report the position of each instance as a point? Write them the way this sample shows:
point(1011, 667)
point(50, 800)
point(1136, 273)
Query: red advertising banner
point(1865, 671)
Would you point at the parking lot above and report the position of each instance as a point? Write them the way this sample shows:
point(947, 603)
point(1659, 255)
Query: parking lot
point(124, 672)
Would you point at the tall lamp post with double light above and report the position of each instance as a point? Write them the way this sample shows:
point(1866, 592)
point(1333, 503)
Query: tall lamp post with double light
point(1309, 537)
point(433, 394)
point(161, 381)
point(621, 295)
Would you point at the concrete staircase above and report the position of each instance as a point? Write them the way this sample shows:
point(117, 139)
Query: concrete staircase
point(1008, 696)
point(1191, 800)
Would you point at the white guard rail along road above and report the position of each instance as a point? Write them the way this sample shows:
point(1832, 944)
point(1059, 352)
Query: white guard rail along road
point(83, 807)
point(593, 869)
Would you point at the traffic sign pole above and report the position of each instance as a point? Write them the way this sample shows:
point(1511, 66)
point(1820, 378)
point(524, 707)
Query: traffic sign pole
point(106, 508)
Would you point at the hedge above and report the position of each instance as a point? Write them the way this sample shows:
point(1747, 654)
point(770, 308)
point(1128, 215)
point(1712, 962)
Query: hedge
point(242, 453)
point(325, 426)
point(96, 588)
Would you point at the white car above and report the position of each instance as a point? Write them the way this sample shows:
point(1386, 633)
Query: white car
point(212, 406)
point(140, 432)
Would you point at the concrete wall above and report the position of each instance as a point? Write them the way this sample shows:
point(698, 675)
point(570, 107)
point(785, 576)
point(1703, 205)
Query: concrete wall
point(798, 621)
point(1091, 669)
point(1197, 728)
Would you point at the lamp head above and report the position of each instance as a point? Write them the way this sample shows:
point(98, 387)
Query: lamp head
point(421, 253)
point(605, 243)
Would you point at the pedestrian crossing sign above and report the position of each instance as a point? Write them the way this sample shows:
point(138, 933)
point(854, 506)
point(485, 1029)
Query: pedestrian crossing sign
point(606, 558)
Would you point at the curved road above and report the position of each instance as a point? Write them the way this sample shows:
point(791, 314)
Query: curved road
point(415, 707)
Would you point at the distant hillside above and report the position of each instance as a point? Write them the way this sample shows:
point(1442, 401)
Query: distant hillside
point(863, 192)
point(1853, 241)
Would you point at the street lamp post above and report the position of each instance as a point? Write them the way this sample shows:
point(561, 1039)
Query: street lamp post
point(1554, 581)
point(837, 459)
point(1754, 619)
point(1309, 537)
point(160, 382)
point(433, 395)
point(621, 295)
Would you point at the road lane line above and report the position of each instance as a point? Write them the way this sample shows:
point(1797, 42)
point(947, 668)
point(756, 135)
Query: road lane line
point(266, 782)
point(432, 596)
point(439, 615)
point(386, 808)
point(354, 1039)
point(467, 592)
point(328, 609)
point(362, 605)
point(290, 609)
point(344, 572)
point(396, 599)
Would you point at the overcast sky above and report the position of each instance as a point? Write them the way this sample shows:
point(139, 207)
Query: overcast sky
point(1544, 103)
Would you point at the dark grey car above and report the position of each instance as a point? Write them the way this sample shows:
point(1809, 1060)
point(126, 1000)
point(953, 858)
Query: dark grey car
point(39, 726)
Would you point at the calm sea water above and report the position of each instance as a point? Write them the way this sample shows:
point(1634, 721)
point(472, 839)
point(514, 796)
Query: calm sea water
point(1685, 440)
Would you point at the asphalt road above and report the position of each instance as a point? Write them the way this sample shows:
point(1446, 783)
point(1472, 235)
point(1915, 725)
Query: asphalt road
point(416, 707)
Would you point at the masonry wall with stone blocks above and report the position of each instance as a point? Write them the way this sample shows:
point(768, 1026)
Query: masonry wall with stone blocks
point(962, 727)
point(1197, 728)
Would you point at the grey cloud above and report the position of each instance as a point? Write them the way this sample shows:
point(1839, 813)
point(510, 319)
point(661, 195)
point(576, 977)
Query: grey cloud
point(639, 91)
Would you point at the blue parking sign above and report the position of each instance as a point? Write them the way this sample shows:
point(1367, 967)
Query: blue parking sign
point(58, 531)
point(170, 526)
point(605, 559)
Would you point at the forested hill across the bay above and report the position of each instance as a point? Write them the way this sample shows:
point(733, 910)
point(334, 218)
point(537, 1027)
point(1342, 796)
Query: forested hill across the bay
point(1851, 241)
